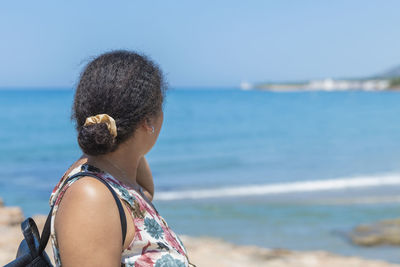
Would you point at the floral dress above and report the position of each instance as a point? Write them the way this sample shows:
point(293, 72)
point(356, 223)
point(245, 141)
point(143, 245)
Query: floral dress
point(154, 243)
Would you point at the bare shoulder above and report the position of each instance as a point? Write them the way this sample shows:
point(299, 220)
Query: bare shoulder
point(87, 223)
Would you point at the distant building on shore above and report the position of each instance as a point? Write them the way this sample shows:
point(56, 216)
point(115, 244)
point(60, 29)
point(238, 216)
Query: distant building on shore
point(338, 85)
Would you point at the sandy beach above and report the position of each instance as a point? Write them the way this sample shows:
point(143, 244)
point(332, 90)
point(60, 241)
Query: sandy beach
point(203, 251)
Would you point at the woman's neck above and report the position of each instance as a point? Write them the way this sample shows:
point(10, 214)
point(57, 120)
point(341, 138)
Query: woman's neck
point(121, 166)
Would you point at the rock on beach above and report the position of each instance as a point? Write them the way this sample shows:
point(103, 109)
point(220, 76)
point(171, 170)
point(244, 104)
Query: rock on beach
point(385, 232)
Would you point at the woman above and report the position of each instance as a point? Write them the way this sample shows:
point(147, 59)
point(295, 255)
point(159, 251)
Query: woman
point(118, 114)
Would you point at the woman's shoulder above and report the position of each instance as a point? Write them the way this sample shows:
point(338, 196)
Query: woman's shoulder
point(86, 201)
point(84, 196)
point(87, 215)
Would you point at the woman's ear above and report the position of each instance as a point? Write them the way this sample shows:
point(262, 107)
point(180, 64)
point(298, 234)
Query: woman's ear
point(147, 124)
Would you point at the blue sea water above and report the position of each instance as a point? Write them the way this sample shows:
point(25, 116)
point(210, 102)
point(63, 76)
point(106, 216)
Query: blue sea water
point(294, 170)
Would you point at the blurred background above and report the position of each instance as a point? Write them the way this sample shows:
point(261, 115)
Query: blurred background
point(281, 121)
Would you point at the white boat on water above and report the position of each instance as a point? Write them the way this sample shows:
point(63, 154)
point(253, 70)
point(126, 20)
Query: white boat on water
point(246, 86)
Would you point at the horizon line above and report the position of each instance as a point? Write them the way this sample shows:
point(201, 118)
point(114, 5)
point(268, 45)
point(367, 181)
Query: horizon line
point(66, 88)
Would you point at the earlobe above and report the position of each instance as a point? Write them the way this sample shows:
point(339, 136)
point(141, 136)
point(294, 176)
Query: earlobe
point(149, 128)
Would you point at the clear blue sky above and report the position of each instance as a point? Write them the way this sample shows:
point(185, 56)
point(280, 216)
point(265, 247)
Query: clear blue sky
point(204, 43)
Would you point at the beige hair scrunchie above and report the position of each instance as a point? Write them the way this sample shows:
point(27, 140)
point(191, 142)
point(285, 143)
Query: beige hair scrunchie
point(103, 118)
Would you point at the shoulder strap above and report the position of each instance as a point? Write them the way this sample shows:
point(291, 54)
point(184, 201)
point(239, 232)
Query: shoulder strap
point(46, 229)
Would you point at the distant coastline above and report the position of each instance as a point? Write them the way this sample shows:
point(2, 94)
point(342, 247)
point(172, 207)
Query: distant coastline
point(389, 80)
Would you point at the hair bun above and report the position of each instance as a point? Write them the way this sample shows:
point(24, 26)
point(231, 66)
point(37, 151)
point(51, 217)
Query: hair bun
point(96, 139)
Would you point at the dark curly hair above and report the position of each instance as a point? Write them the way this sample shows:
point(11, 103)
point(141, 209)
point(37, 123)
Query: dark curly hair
point(125, 85)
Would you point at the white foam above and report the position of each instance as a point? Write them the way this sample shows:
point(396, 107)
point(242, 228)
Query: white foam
point(282, 188)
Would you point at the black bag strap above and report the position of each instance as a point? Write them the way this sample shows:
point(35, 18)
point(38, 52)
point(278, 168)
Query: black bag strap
point(31, 234)
point(46, 229)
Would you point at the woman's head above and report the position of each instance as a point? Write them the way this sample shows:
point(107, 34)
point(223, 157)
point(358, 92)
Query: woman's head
point(124, 85)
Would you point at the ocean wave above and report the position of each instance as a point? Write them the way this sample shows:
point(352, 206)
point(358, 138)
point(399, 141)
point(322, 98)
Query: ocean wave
point(283, 188)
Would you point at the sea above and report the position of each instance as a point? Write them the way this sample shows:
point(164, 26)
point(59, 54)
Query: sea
point(294, 170)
